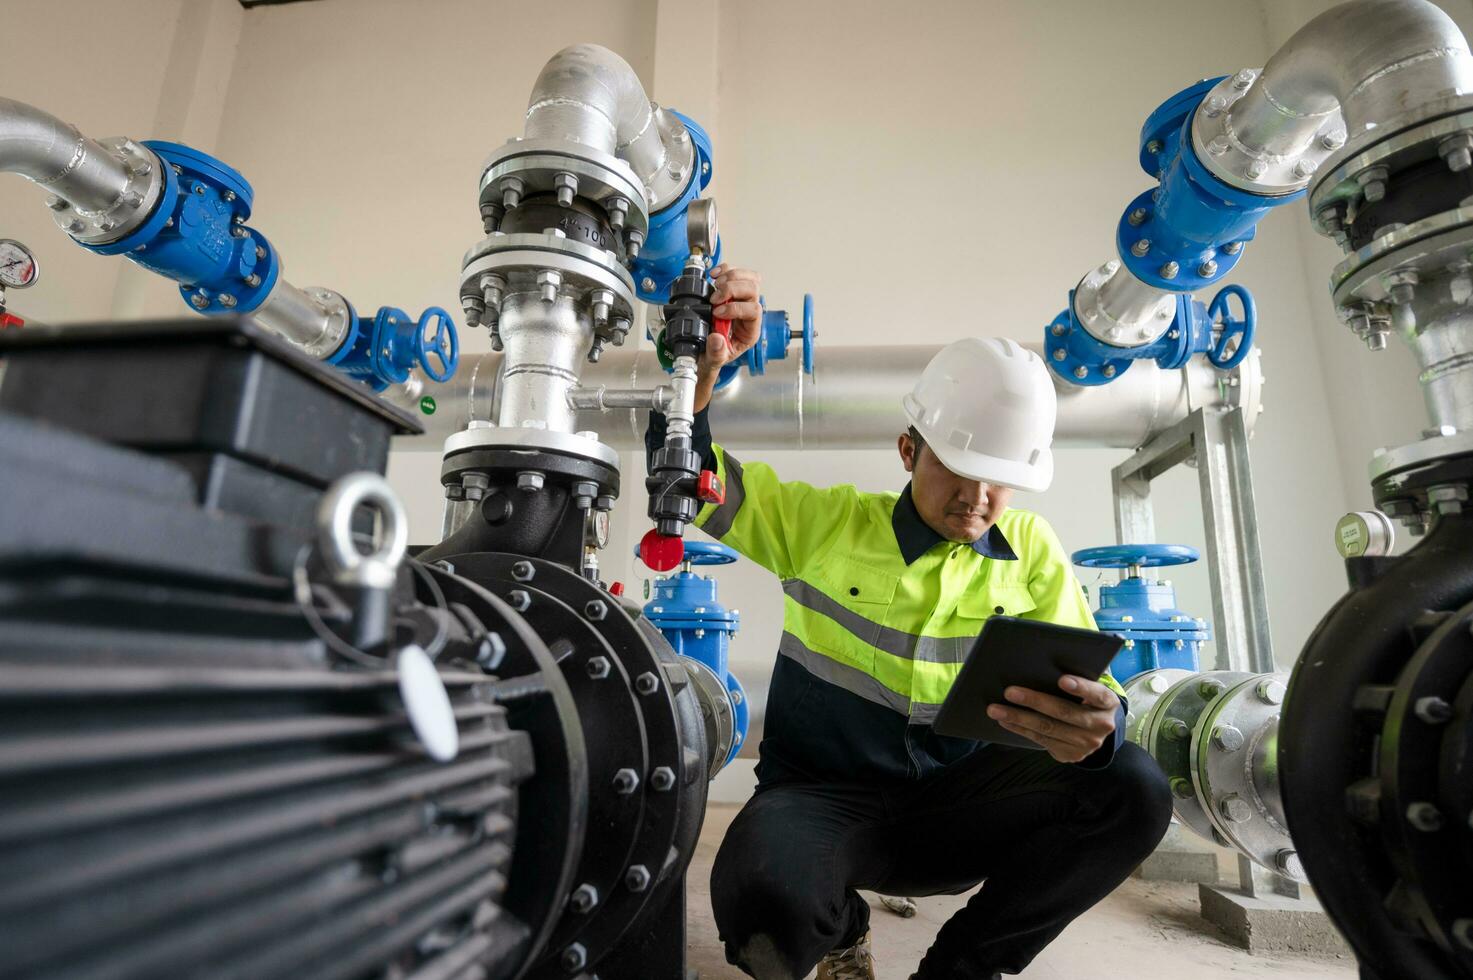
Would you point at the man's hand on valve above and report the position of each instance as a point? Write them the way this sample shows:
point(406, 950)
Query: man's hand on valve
point(735, 298)
point(1068, 730)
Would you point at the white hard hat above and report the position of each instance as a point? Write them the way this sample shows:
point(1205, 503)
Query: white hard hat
point(986, 408)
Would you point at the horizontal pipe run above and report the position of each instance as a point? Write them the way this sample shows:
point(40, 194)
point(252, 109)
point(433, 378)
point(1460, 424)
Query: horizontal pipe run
point(603, 399)
point(852, 401)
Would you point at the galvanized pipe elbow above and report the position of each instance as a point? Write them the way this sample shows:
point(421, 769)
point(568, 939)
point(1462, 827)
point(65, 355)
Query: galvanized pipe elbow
point(1368, 61)
point(588, 94)
point(43, 148)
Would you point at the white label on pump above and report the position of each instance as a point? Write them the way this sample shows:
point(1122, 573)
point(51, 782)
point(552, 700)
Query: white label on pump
point(428, 704)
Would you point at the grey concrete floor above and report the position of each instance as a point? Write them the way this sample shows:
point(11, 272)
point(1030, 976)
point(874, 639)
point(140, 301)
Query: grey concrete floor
point(1144, 929)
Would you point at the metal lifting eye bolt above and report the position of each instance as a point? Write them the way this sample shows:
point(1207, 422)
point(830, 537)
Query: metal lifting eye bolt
point(350, 566)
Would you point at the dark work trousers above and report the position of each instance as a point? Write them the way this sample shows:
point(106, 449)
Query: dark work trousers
point(1050, 839)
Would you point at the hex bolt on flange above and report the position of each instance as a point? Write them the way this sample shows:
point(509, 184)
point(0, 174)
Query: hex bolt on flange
point(1433, 710)
point(1176, 730)
point(1424, 817)
point(626, 781)
point(662, 779)
point(584, 899)
point(523, 571)
point(1236, 809)
point(1270, 691)
point(647, 683)
point(574, 958)
point(1181, 788)
point(530, 481)
point(598, 667)
point(1227, 738)
point(637, 878)
point(1288, 863)
point(596, 609)
point(519, 600)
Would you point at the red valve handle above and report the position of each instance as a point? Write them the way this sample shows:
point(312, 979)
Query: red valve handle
point(8, 320)
point(617, 589)
point(661, 552)
point(722, 326)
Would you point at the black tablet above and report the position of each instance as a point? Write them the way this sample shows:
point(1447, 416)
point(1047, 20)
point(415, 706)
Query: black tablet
point(1024, 653)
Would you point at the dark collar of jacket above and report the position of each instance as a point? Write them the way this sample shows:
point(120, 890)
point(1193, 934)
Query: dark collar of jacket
point(915, 537)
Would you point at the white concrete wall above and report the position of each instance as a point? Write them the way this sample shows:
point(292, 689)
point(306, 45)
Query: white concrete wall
point(927, 170)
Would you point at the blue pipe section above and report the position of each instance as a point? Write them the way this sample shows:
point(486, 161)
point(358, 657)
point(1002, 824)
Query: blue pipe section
point(1144, 613)
point(666, 247)
point(198, 236)
point(1192, 220)
point(685, 609)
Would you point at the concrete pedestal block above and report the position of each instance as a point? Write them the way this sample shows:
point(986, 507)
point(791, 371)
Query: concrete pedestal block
point(1271, 923)
point(1181, 856)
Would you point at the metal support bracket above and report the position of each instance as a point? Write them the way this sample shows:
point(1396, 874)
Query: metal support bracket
point(1218, 443)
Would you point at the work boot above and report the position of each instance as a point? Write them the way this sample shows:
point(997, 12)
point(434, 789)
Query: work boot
point(855, 963)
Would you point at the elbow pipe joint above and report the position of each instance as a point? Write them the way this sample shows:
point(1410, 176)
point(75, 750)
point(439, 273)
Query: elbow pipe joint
point(666, 247)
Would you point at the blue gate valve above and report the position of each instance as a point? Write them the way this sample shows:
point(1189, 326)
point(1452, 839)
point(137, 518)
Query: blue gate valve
point(685, 609)
point(383, 353)
point(1220, 315)
point(1143, 611)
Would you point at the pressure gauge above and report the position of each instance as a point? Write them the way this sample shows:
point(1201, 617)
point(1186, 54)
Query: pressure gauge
point(601, 527)
point(17, 265)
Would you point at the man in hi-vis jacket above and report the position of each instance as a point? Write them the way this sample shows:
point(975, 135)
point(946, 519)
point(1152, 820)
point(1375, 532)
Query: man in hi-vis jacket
point(884, 595)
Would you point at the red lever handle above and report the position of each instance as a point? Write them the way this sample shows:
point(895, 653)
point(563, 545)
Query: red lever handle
point(661, 552)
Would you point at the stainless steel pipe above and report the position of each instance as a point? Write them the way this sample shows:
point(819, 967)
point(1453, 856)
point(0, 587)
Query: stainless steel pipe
point(853, 402)
point(37, 145)
point(590, 95)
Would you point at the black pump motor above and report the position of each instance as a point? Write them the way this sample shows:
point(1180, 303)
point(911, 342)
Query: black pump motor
point(214, 754)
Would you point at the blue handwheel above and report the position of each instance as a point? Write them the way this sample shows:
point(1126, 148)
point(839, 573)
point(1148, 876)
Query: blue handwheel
point(1231, 328)
point(808, 334)
point(1135, 555)
point(706, 553)
point(445, 344)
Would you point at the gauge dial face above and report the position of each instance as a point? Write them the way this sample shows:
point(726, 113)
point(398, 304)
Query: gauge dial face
point(17, 265)
point(601, 528)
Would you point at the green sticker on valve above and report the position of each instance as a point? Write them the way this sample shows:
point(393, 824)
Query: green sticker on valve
point(427, 405)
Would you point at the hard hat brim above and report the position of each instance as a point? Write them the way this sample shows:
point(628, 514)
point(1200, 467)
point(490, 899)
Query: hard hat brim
point(1028, 477)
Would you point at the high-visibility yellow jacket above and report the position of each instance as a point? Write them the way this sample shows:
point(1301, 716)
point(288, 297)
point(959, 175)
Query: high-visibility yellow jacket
point(879, 613)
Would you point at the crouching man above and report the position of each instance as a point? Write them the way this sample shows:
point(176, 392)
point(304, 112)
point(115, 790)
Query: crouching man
point(884, 594)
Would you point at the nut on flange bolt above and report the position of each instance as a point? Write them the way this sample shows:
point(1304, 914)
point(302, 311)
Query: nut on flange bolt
point(1372, 181)
point(1235, 809)
point(566, 186)
point(1169, 270)
point(584, 899)
point(1141, 248)
point(662, 779)
point(1176, 730)
point(597, 667)
point(573, 958)
point(1424, 817)
point(1138, 216)
point(1287, 863)
point(511, 192)
point(1457, 152)
point(618, 211)
point(647, 683)
point(637, 878)
point(626, 781)
point(1433, 710)
point(1181, 788)
point(550, 281)
point(1270, 691)
point(1227, 738)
